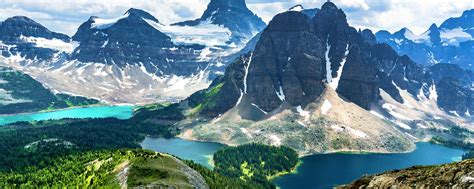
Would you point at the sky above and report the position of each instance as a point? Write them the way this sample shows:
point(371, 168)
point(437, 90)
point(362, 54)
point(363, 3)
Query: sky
point(65, 16)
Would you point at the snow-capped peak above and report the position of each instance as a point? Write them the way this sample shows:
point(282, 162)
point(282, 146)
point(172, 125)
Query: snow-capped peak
point(100, 24)
point(297, 8)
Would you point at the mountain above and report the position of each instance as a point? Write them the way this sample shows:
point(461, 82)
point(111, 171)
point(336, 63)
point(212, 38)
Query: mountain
point(224, 13)
point(452, 42)
point(133, 58)
point(131, 40)
point(318, 85)
point(19, 93)
point(22, 37)
point(455, 175)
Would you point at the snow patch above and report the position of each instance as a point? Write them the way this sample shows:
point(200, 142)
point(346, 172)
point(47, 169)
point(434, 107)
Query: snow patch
point(433, 93)
point(421, 126)
point(328, 62)
point(403, 125)
point(106, 23)
point(247, 72)
point(205, 33)
point(454, 113)
point(302, 112)
point(259, 109)
point(281, 94)
point(423, 38)
point(455, 36)
point(335, 82)
point(326, 107)
point(296, 8)
point(54, 43)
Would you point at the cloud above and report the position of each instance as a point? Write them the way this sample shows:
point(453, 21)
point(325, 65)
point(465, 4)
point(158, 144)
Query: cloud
point(66, 15)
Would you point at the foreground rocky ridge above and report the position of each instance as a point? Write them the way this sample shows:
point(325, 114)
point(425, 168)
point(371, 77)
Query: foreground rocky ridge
point(455, 175)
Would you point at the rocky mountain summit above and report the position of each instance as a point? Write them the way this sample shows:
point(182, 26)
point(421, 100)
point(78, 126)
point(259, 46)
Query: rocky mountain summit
point(324, 81)
point(224, 13)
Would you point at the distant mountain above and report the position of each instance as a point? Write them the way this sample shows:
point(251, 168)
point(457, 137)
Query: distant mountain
point(319, 85)
point(19, 93)
point(22, 37)
point(232, 14)
point(133, 58)
point(452, 42)
point(132, 40)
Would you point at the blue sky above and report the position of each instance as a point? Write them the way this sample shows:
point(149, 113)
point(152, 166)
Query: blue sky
point(66, 15)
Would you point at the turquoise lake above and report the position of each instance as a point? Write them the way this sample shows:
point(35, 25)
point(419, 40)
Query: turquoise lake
point(199, 152)
point(120, 112)
point(322, 170)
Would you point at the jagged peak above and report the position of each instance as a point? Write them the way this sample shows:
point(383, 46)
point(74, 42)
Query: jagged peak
point(468, 13)
point(329, 6)
point(140, 13)
point(227, 3)
point(433, 27)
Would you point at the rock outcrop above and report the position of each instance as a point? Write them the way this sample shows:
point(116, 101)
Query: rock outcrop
point(455, 175)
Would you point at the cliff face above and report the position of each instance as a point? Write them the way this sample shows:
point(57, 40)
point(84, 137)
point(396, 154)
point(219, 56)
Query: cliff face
point(456, 175)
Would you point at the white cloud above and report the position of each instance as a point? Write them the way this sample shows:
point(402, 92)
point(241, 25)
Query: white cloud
point(66, 15)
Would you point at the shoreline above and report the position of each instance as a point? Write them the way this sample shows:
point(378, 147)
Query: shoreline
point(293, 170)
point(63, 109)
point(188, 136)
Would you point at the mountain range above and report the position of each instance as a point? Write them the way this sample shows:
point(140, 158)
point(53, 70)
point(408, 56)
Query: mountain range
point(160, 62)
point(318, 85)
point(452, 42)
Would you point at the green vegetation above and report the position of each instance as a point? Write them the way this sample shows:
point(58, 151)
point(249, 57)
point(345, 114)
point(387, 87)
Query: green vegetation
point(101, 169)
point(160, 171)
point(255, 162)
point(454, 137)
point(27, 145)
point(19, 93)
point(468, 155)
point(216, 180)
point(206, 98)
point(158, 113)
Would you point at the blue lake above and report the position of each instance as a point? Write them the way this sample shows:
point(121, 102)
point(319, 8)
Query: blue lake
point(120, 112)
point(329, 170)
point(199, 152)
point(322, 170)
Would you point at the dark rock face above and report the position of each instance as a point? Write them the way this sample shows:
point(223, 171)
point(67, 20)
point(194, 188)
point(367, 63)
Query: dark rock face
point(441, 71)
point(232, 14)
point(452, 96)
point(12, 29)
point(288, 56)
point(224, 92)
point(289, 66)
point(289, 62)
point(454, 87)
point(132, 40)
point(17, 26)
point(430, 48)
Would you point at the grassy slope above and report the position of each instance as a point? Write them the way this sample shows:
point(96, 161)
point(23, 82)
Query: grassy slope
point(24, 94)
